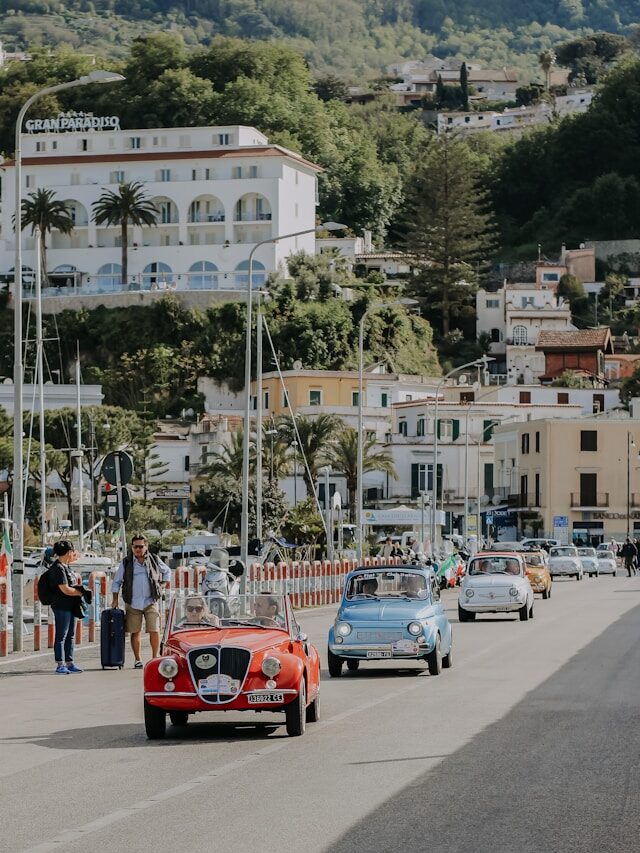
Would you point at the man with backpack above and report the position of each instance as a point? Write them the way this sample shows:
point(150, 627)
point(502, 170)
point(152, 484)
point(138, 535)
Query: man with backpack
point(629, 553)
point(140, 577)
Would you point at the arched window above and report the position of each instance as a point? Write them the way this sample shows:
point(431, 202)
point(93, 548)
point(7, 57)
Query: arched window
point(156, 273)
point(109, 277)
point(252, 207)
point(258, 278)
point(520, 337)
point(203, 275)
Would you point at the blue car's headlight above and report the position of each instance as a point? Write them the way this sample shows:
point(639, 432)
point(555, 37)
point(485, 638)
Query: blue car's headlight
point(343, 629)
point(414, 628)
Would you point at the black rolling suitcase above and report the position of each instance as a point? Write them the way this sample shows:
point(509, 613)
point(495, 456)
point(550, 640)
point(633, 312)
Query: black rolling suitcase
point(112, 638)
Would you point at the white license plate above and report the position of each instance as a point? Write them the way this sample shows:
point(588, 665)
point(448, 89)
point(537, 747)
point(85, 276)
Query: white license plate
point(219, 684)
point(378, 655)
point(256, 698)
point(406, 647)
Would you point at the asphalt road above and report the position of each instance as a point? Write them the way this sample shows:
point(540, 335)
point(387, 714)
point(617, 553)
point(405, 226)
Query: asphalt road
point(530, 743)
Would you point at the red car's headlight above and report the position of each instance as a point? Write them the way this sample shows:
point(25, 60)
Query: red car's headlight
point(168, 668)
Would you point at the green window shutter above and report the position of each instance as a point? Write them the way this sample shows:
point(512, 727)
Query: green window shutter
point(438, 430)
point(455, 430)
point(439, 480)
point(487, 430)
point(488, 478)
point(415, 491)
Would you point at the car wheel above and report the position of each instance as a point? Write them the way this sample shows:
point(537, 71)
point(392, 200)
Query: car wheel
point(545, 594)
point(531, 611)
point(465, 615)
point(296, 713)
point(447, 660)
point(434, 658)
point(313, 710)
point(524, 612)
point(353, 665)
point(155, 722)
point(335, 665)
point(178, 718)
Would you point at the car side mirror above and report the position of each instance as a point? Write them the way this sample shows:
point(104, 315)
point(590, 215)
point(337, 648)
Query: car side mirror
point(301, 637)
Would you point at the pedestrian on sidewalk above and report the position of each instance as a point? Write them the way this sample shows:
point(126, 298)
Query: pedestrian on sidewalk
point(629, 553)
point(65, 592)
point(140, 577)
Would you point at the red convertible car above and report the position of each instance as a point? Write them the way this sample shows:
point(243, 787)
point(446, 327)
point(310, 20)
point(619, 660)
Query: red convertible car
point(252, 658)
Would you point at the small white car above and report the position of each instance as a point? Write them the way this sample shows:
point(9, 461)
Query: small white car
point(565, 561)
point(607, 563)
point(589, 560)
point(495, 583)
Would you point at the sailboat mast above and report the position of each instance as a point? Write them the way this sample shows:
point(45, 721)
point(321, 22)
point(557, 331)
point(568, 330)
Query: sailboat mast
point(79, 455)
point(40, 381)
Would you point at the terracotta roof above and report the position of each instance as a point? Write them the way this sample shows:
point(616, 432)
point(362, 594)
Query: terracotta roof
point(581, 339)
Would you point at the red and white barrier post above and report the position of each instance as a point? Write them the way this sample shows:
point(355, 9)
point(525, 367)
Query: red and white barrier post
point(4, 619)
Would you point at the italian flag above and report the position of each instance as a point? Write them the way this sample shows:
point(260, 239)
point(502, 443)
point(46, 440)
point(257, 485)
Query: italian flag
point(6, 554)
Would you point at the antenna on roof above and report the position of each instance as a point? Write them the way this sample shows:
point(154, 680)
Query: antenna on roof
point(539, 252)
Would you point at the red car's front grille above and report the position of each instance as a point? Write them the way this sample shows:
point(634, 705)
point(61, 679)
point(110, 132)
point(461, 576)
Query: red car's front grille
point(230, 660)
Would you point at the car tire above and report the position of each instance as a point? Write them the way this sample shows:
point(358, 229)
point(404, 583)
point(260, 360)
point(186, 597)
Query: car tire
point(296, 713)
point(546, 593)
point(155, 722)
point(353, 665)
point(465, 615)
point(335, 665)
point(434, 658)
point(313, 710)
point(179, 718)
point(524, 612)
point(531, 611)
point(447, 660)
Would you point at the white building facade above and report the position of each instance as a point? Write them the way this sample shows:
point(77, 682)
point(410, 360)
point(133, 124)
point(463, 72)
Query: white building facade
point(218, 191)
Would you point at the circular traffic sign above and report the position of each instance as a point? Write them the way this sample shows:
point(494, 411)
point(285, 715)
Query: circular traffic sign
point(110, 464)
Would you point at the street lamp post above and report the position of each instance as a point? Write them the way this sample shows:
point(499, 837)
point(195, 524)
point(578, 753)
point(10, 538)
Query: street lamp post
point(434, 474)
point(375, 306)
point(18, 461)
point(244, 520)
point(630, 443)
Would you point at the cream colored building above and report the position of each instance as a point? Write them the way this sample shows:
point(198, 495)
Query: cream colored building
point(572, 477)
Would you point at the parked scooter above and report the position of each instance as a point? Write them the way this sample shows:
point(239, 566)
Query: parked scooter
point(221, 588)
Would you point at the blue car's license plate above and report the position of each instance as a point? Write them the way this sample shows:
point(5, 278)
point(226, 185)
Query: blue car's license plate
point(378, 655)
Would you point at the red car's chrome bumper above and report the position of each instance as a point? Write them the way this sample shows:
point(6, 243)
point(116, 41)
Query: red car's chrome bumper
point(193, 702)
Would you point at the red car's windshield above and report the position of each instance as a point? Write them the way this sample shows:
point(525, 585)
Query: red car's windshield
point(195, 611)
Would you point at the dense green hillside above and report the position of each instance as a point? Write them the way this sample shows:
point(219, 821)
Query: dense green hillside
point(350, 36)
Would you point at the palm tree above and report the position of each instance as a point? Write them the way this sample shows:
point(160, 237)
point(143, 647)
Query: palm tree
point(547, 60)
point(228, 460)
point(127, 206)
point(315, 437)
point(343, 457)
point(43, 211)
point(277, 461)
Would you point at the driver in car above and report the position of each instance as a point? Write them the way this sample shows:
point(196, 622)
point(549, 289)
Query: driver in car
point(369, 586)
point(414, 587)
point(196, 613)
point(266, 610)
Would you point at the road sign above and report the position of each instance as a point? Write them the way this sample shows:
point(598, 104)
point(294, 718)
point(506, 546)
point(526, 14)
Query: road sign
point(110, 467)
point(110, 505)
point(561, 529)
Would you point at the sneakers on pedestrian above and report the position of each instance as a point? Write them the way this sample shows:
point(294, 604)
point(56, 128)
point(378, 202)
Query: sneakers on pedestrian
point(61, 669)
point(71, 667)
point(138, 664)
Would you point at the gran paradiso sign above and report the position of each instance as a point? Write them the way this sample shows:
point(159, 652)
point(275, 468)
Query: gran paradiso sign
point(68, 122)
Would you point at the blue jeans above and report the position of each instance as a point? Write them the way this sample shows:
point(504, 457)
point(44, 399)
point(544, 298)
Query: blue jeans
point(65, 634)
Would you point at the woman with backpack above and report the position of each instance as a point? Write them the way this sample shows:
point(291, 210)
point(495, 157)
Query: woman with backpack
point(65, 605)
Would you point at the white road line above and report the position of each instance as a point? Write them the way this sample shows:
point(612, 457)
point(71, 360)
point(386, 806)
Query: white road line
point(118, 815)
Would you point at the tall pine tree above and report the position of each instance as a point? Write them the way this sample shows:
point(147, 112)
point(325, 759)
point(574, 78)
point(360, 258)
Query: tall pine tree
point(449, 230)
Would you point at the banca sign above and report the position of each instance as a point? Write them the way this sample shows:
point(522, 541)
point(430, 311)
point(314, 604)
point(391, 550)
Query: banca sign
point(68, 122)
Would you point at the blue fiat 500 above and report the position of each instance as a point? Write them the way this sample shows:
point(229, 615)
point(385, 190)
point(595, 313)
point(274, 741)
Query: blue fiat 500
point(390, 613)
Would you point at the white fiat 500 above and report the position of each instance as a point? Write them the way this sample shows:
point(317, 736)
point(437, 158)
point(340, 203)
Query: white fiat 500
point(495, 583)
point(607, 563)
point(589, 560)
point(565, 560)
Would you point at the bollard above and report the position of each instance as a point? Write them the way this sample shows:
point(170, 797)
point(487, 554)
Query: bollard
point(98, 586)
point(37, 617)
point(199, 573)
point(296, 598)
point(51, 628)
point(182, 578)
point(4, 619)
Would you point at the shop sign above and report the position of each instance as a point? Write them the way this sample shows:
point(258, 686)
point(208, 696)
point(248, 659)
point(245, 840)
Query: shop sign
point(66, 122)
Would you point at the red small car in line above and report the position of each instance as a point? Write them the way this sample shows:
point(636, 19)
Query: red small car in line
point(253, 657)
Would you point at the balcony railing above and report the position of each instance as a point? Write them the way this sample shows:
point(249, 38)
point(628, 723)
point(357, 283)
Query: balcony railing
point(590, 500)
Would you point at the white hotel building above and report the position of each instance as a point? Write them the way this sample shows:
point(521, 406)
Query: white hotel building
point(218, 191)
